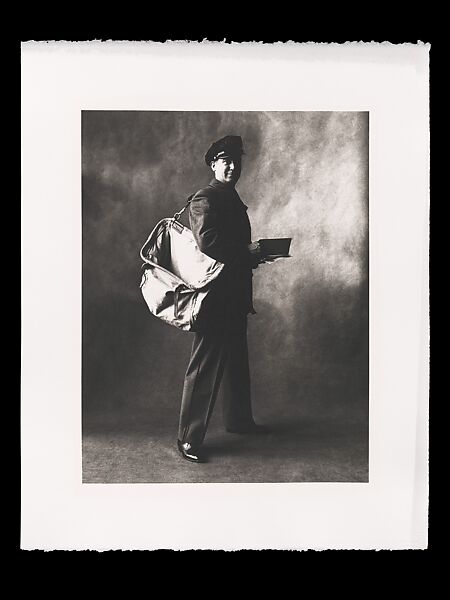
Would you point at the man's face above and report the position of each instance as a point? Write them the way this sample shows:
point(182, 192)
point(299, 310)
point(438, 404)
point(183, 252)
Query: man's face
point(227, 170)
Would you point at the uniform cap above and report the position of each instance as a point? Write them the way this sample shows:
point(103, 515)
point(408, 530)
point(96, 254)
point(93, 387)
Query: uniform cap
point(229, 146)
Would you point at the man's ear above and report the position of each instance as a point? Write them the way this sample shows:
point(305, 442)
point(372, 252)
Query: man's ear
point(213, 165)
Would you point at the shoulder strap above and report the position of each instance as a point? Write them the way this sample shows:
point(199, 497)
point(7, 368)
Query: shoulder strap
point(178, 214)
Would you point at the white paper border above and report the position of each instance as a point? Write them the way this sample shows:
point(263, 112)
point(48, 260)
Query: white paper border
point(61, 79)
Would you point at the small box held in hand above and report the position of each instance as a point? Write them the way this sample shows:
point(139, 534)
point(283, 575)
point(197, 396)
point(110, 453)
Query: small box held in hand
point(275, 247)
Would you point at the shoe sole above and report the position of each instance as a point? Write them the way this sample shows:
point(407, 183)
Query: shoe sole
point(192, 460)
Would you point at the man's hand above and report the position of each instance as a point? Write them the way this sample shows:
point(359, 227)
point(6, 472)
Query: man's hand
point(255, 254)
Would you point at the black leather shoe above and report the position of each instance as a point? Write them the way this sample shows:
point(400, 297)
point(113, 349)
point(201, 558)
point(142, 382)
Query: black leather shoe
point(252, 428)
point(188, 452)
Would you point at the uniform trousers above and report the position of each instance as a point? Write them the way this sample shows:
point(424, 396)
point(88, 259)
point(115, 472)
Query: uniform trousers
point(219, 356)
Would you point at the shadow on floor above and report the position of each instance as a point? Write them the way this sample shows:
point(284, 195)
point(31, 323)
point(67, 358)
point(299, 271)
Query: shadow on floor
point(143, 450)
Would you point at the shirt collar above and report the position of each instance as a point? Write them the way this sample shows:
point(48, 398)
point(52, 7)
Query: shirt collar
point(215, 183)
point(218, 184)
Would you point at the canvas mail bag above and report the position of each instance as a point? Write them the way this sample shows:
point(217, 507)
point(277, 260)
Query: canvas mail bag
point(177, 276)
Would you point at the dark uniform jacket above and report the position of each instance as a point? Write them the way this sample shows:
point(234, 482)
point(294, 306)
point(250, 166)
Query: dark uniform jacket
point(221, 227)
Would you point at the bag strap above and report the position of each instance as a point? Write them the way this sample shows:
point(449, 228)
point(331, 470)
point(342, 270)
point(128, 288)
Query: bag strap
point(177, 215)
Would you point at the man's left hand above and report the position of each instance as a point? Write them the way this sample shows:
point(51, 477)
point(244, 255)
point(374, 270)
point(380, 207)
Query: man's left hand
point(255, 254)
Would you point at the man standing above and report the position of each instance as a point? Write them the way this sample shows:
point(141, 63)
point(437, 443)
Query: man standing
point(219, 222)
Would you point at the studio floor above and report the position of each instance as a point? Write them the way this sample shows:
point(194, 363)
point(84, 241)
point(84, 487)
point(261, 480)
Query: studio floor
point(143, 449)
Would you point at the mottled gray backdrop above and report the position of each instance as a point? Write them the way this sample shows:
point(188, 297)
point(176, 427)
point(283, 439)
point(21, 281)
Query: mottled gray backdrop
point(305, 176)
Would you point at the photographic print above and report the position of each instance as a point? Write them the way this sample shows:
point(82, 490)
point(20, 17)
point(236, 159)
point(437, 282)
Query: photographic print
point(225, 306)
point(225, 316)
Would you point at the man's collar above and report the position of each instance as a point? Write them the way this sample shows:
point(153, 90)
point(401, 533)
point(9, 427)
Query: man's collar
point(218, 184)
point(223, 186)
